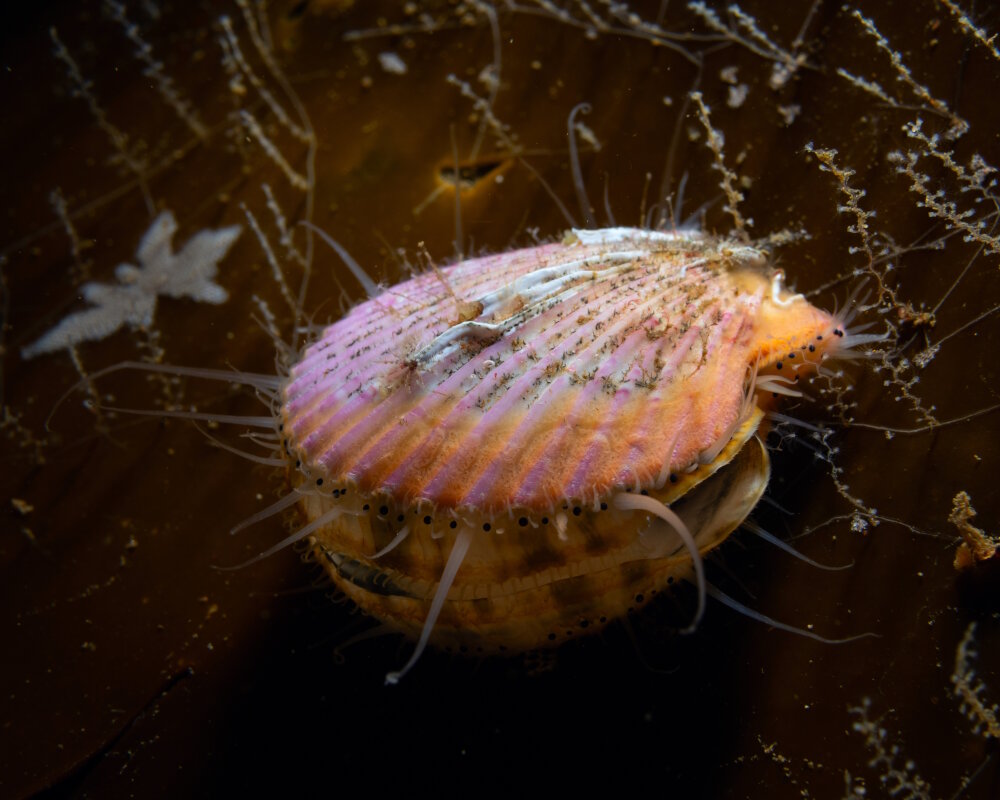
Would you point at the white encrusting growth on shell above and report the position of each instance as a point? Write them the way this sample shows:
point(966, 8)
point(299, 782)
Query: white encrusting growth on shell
point(617, 235)
point(545, 282)
point(534, 291)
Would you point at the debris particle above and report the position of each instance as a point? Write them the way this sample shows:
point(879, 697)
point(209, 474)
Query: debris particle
point(737, 95)
point(23, 507)
point(392, 63)
point(728, 75)
point(789, 113)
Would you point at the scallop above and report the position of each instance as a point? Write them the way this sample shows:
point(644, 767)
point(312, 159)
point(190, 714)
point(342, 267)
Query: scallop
point(516, 449)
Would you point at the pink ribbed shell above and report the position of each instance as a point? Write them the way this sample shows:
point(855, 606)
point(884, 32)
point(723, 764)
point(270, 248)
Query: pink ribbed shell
point(523, 379)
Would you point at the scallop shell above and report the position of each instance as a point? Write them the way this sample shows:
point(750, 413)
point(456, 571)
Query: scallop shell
point(518, 395)
point(562, 371)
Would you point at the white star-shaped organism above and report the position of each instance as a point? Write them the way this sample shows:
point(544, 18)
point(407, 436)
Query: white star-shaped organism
point(190, 272)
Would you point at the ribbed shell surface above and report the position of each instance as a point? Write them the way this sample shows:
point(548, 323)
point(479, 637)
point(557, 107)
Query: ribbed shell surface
point(523, 379)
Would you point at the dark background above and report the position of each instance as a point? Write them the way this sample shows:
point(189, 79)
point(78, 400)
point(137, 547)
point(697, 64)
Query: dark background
point(133, 667)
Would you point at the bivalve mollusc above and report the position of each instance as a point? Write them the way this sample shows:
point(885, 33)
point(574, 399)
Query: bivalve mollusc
point(503, 453)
